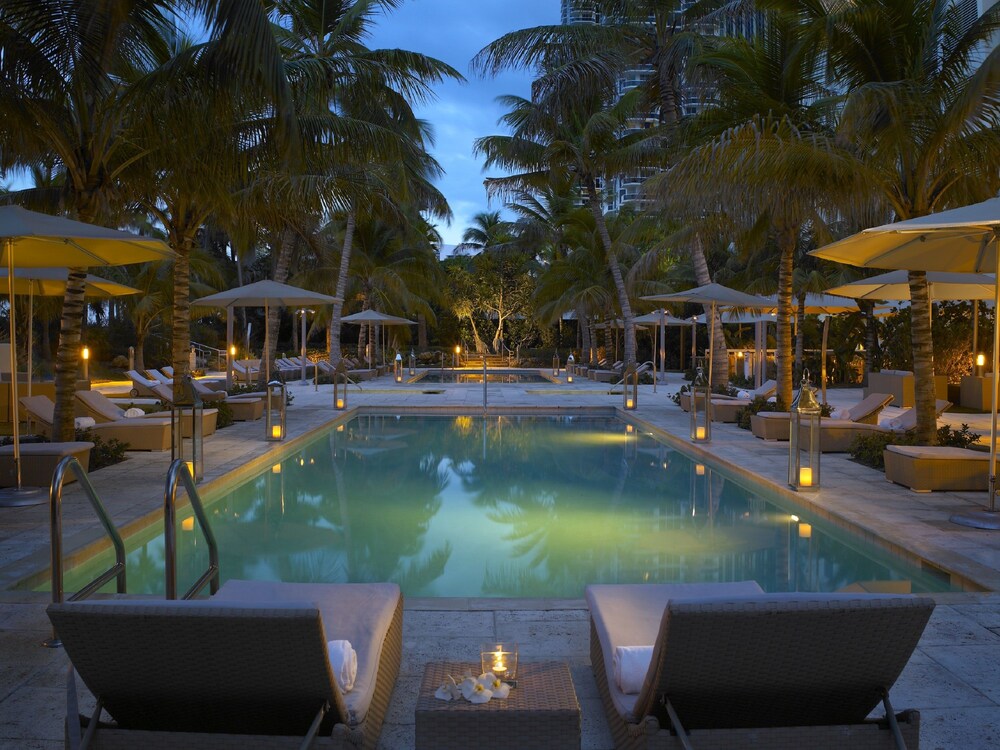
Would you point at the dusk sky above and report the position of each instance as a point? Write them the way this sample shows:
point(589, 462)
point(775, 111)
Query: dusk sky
point(454, 31)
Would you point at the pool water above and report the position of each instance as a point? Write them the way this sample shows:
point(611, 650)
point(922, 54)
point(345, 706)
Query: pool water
point(512, 507)
point(492, 376)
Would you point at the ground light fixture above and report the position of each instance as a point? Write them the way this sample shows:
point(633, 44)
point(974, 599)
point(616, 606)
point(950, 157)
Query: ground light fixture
point(275, 412)
point(980, 364)
point(701, 406)
point(630, 388)
point(803, 443)
point(458, 354)
point(340, 381)
point(187, 417)
point(85, 355)
point(397, 368)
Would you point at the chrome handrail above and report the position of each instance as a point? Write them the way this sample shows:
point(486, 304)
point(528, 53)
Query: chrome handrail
point(70, 463)
point(179, 473)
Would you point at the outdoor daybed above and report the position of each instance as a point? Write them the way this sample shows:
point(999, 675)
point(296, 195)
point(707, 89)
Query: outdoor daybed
point(773, 425)
point(733, 667)
point(925, 468)
point(152, 434)
point(103, 410)
point(837, 435)
point(248, 668)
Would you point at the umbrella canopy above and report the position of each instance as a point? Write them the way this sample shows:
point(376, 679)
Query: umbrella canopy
point(941, 285)
point(961, 240)
point(713, 294)
point(374, 316)
point(38, 240)
point(33, 240)
point(661, 318)
point(261, 294)
point(51, 282)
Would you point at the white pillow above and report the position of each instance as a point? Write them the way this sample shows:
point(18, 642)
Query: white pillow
point(742, 394)
point(134, 412)
point(840, 414)
point(82, 423)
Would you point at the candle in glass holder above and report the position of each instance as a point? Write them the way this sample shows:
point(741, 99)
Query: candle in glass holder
point(629, 404)
point(500, 659)
point(276, 430)
point(699, 433)
point(340, 403)
point(806, 476)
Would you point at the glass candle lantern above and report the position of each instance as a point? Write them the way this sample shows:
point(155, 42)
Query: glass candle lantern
point(570, 367)
point(340, 381)
point(500, 659)
point(186, 420)
point(803, 443)
point(397, 368)
point(630, 388)
point(555, 365)
point(701, 405)
point(274, 412)
point(413, 363)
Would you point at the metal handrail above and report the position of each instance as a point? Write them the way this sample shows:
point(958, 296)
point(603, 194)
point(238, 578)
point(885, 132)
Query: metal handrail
point(70, 463)
point(640, 370)
point(179, 473)
point(210, 351)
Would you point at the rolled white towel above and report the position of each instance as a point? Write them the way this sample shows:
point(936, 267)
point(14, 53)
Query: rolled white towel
point(742, 394)
point(631, 664)
point(344, 661)
point(82, 423)
point(134, 412)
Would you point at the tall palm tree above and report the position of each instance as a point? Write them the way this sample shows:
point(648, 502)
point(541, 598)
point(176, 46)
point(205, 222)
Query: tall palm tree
point(488, 231)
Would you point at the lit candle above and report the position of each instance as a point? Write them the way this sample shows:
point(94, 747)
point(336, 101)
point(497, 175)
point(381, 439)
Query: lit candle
point(699, 433)
point(499, 667)
point(276, 431)
point(340, 403)
point(806, 476)
point(699, 469)
point(569, 378)
point(629, 404)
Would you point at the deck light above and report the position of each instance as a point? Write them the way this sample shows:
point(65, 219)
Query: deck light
point(85, 354)
point(980, 364)
point(803, 443)
point(275, 411)
point(457, 358)
point(701, 405)
point(187, 416)
point(397, 368)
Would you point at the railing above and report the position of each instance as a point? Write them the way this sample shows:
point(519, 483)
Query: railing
point(179, 473)
point(646, 366)
point(70, 463)
point(206, 352)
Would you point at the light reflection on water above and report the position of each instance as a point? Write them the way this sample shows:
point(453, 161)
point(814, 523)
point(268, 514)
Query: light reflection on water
point(509, 506)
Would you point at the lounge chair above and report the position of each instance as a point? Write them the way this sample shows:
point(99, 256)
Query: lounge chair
point(607, 374)
point(157, 375)
point(247, 668)
point(773, 425)
point(927, 468)
point(837, 435)
point(729, 405)
point(105, 411)
point(151, 434)
point(246, 370)
point(245, 407)
point(141, 385)
point(734, 667)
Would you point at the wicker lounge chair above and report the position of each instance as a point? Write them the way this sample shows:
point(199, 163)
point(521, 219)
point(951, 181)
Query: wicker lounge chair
point(766, 390)
point(103, 410)
point(773, 425)
point(151, 434)
point(734, 667)
point(926, 468)
point(837, 435)
point(245, 669)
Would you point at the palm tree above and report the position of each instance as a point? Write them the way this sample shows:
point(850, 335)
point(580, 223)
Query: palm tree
point(488, 231)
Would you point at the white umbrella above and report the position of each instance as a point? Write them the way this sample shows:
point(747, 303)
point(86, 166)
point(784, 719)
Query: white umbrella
point(377, 318)
point(895, 285)
point(961, 240)
point(262, 294)
point(34, 240)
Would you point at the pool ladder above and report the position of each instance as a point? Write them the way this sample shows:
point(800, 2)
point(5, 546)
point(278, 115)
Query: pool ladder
point(177, 474)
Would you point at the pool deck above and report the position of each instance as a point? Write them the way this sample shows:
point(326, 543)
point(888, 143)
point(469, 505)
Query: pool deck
point(953, 677)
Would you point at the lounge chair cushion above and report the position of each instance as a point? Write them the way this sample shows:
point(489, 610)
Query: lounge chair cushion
point(359, 613)
point(630, 614)
point(939, 452)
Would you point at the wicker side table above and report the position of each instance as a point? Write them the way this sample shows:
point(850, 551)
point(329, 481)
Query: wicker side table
point(541, 713)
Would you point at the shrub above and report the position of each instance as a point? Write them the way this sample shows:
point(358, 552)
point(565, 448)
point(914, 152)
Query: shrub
point(105, 452)
point(225, 418)
point(868, 449)
point(120, 362)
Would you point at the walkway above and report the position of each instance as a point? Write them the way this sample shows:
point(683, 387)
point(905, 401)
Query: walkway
point(953, 678)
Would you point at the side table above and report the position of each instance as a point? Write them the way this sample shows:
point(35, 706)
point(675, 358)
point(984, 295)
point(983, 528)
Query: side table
point(541, 713)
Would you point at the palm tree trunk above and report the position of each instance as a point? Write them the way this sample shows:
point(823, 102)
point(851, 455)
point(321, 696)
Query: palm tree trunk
point(783, 345)
point(583, 328)
point(421, 332)
point(338, 306)
point(180, 340)
point(628, 319)
point(800, 319)
point(720, 357)
point(922, 344)
point(289, 239)
point(67, 355)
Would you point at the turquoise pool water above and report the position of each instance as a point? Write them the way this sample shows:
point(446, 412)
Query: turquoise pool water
point(510, 506)
point(492, 376)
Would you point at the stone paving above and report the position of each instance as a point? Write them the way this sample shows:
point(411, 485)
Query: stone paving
point(953, 677)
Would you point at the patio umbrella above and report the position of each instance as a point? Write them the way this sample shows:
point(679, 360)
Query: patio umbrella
point(662, 319)
point(51, 282)
point(261, 294)
point(375, 317)
point(961, 240)
point(714, 295)
point(34, 240)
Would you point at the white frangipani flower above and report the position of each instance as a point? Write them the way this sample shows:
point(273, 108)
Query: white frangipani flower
point(448, 690)
point(477, 693)
point(495, 685)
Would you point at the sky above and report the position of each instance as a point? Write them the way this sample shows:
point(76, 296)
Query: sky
point(454, 31)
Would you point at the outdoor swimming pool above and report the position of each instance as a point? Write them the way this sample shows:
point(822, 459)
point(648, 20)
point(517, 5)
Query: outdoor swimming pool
point(492, 376)
point(513, 507)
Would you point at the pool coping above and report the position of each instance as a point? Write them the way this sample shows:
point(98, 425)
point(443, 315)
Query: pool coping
point(970, 576)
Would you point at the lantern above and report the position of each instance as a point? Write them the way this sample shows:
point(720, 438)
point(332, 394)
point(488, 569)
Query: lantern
point(413, 363)
point(630, 388)
point(701, 406)
point(85, 354)
point(555, 365)
point(570, 367)
point(500, 659)
point(186, 420)
point(397, 368)
point(274, 424)
point(340, 381)
point(457, 357)
point(803, 443)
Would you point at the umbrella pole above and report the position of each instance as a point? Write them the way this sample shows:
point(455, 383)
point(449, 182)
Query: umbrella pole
point(31, 346)
point(822, 369)
point(990, 519)
point(17, 495)
point(267, 347)
point(663, 346)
